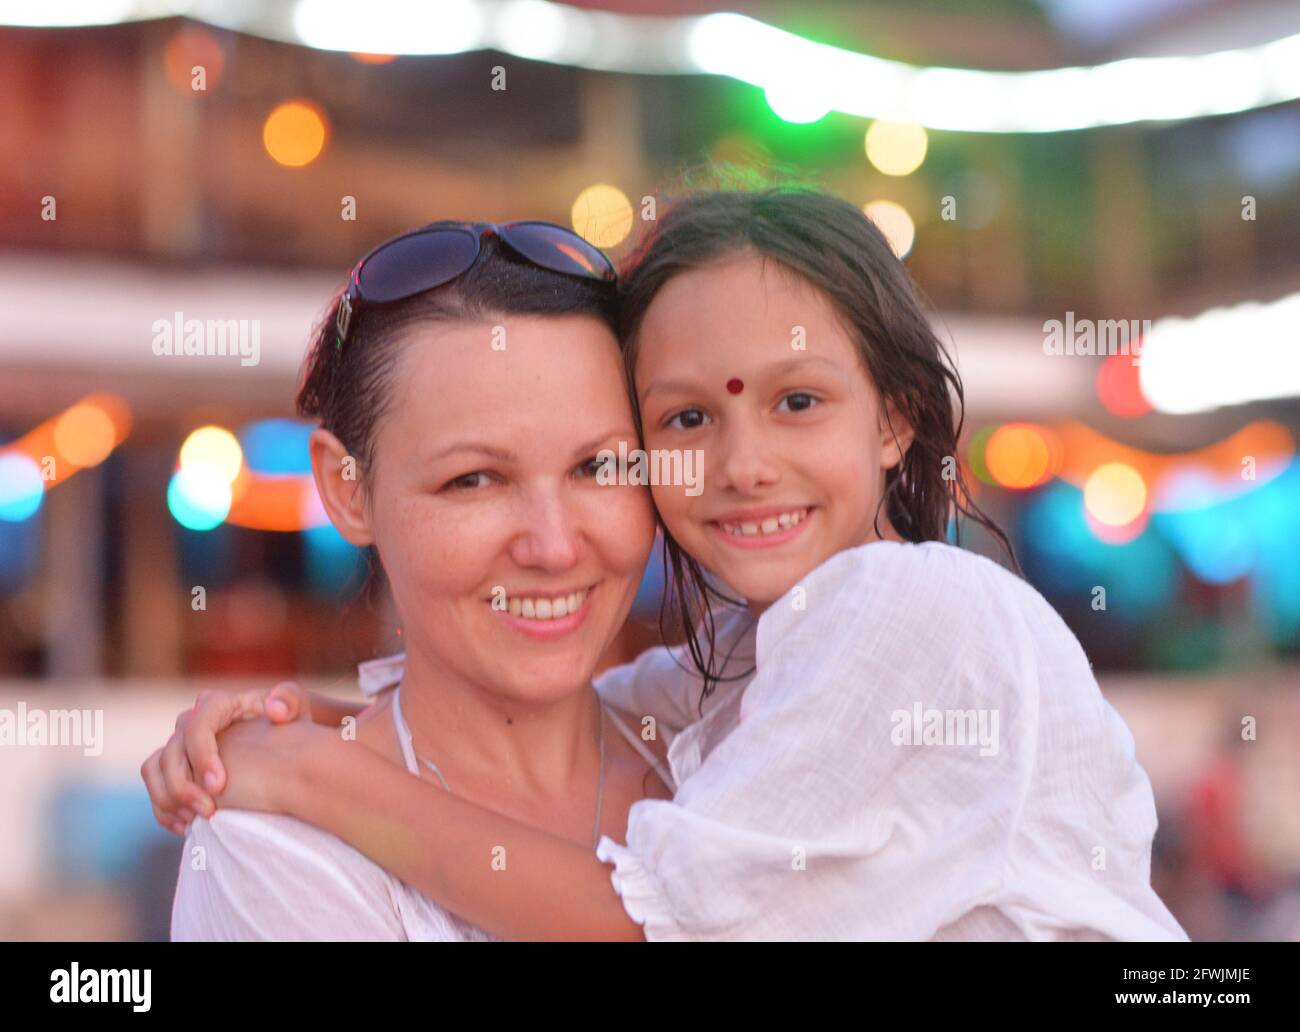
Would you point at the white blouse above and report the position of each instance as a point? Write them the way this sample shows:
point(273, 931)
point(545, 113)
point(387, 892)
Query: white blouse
point(247, 876)
point(923, 753)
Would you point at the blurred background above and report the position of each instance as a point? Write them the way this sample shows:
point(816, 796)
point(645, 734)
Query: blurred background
point(1075, 184)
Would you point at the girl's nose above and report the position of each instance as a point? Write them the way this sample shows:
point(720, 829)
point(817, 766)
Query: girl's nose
point(744, 463)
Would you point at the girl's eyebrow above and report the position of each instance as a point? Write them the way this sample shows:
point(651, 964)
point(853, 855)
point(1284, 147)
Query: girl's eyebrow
point(790, 365)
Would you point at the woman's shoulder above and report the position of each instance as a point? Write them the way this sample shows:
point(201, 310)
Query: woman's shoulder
point(253, 837)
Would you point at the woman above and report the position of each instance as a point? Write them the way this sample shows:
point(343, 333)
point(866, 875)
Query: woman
point(510, 586)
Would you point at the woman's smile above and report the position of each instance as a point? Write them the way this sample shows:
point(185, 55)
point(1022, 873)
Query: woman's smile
point(545, 615)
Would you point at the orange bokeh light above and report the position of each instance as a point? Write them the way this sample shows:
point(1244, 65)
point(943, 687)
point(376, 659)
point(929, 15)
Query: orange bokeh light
point(294, 133)
point(1019, 456)
point(188, 48)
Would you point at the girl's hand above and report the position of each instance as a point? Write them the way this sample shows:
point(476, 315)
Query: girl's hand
point(171, 774)
point(266, 762)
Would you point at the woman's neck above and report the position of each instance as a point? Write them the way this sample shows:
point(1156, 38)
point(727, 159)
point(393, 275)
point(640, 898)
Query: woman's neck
point(494, 742)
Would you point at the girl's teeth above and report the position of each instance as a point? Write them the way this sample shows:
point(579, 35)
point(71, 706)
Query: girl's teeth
point(770, 525)
point(546, 608)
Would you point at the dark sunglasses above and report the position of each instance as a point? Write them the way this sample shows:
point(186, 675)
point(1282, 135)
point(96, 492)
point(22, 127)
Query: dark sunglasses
point(436, 254)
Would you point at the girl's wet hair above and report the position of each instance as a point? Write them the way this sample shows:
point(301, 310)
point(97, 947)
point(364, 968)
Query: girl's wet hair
point(349, 388)
point(835, 247)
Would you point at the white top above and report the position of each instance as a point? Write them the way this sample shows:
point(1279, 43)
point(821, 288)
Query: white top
point(924, 753)
point(804, 811)
point(248, 876)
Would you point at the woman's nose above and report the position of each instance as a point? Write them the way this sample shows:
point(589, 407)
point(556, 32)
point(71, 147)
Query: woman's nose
point(549, 536)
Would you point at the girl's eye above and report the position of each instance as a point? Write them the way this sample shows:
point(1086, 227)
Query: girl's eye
point(467, 482)
point(687, 419)
point(799, 401)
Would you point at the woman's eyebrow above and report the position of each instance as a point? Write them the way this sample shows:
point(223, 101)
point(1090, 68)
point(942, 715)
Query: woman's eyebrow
point(590, 446)
point(479, 447)
point(678, 386)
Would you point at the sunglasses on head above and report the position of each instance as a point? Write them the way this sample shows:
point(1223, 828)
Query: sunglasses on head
point(438, 253)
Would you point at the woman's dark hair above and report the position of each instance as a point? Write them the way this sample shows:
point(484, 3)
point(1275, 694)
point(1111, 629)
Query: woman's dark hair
point(349, 388)
point(835, 247)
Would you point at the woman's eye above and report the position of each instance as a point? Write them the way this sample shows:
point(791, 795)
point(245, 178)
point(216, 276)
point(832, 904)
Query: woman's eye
point(467, 482)
point(593, 466)
point(687, 419)
point(799, 402)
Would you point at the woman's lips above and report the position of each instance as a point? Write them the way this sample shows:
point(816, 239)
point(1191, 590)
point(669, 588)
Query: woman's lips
point(772, 539)
point(551, 628)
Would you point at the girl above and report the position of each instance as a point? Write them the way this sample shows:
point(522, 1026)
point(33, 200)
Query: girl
point(512, 587)
point(893, 738)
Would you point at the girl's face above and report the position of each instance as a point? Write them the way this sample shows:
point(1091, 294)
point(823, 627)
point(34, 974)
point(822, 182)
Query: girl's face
point(749, 363)
point(485, 509)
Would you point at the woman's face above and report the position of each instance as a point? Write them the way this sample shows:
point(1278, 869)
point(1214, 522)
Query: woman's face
point(512, 568)
point(747, 362)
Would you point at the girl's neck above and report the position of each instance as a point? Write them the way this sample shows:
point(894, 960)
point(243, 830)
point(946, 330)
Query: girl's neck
point(493, 741)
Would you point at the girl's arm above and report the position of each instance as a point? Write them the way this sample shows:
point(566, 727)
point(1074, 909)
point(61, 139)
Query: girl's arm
point(512, 880)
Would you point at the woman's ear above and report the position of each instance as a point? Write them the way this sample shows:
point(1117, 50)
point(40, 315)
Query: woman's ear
point(896, 435)
point(339, 487)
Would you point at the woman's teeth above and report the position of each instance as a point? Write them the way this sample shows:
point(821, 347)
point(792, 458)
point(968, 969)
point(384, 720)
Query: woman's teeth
point(771, 525)
point(546, 608)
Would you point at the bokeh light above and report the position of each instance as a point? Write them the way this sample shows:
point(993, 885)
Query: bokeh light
point(1115, 494)
point(21, 487)
point(198, 497)
point(896, 148)
point(794, 100)
point(84, 434)
point(1018, 456)
point(214, 448)
point(893, 220)
point(602, 215)
point(1119, 388)
point(294, 133)
point(190, 47)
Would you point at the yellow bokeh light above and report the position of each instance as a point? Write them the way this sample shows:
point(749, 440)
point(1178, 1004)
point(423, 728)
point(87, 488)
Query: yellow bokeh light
point(294, 133)
point(213, 447)
point(1115, 494)
point(602, 215)
point(893, 220)
point(84, 435)
point(1018, 456)
point(896, 148)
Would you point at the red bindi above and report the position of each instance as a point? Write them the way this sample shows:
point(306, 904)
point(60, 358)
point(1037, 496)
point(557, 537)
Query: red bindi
point(735, 385)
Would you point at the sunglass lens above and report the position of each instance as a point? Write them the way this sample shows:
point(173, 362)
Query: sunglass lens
point(413, 264)
point(554, 247)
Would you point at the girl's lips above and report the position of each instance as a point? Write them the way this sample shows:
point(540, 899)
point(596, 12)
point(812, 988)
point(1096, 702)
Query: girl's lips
point(778, 537)
point(547, 630)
